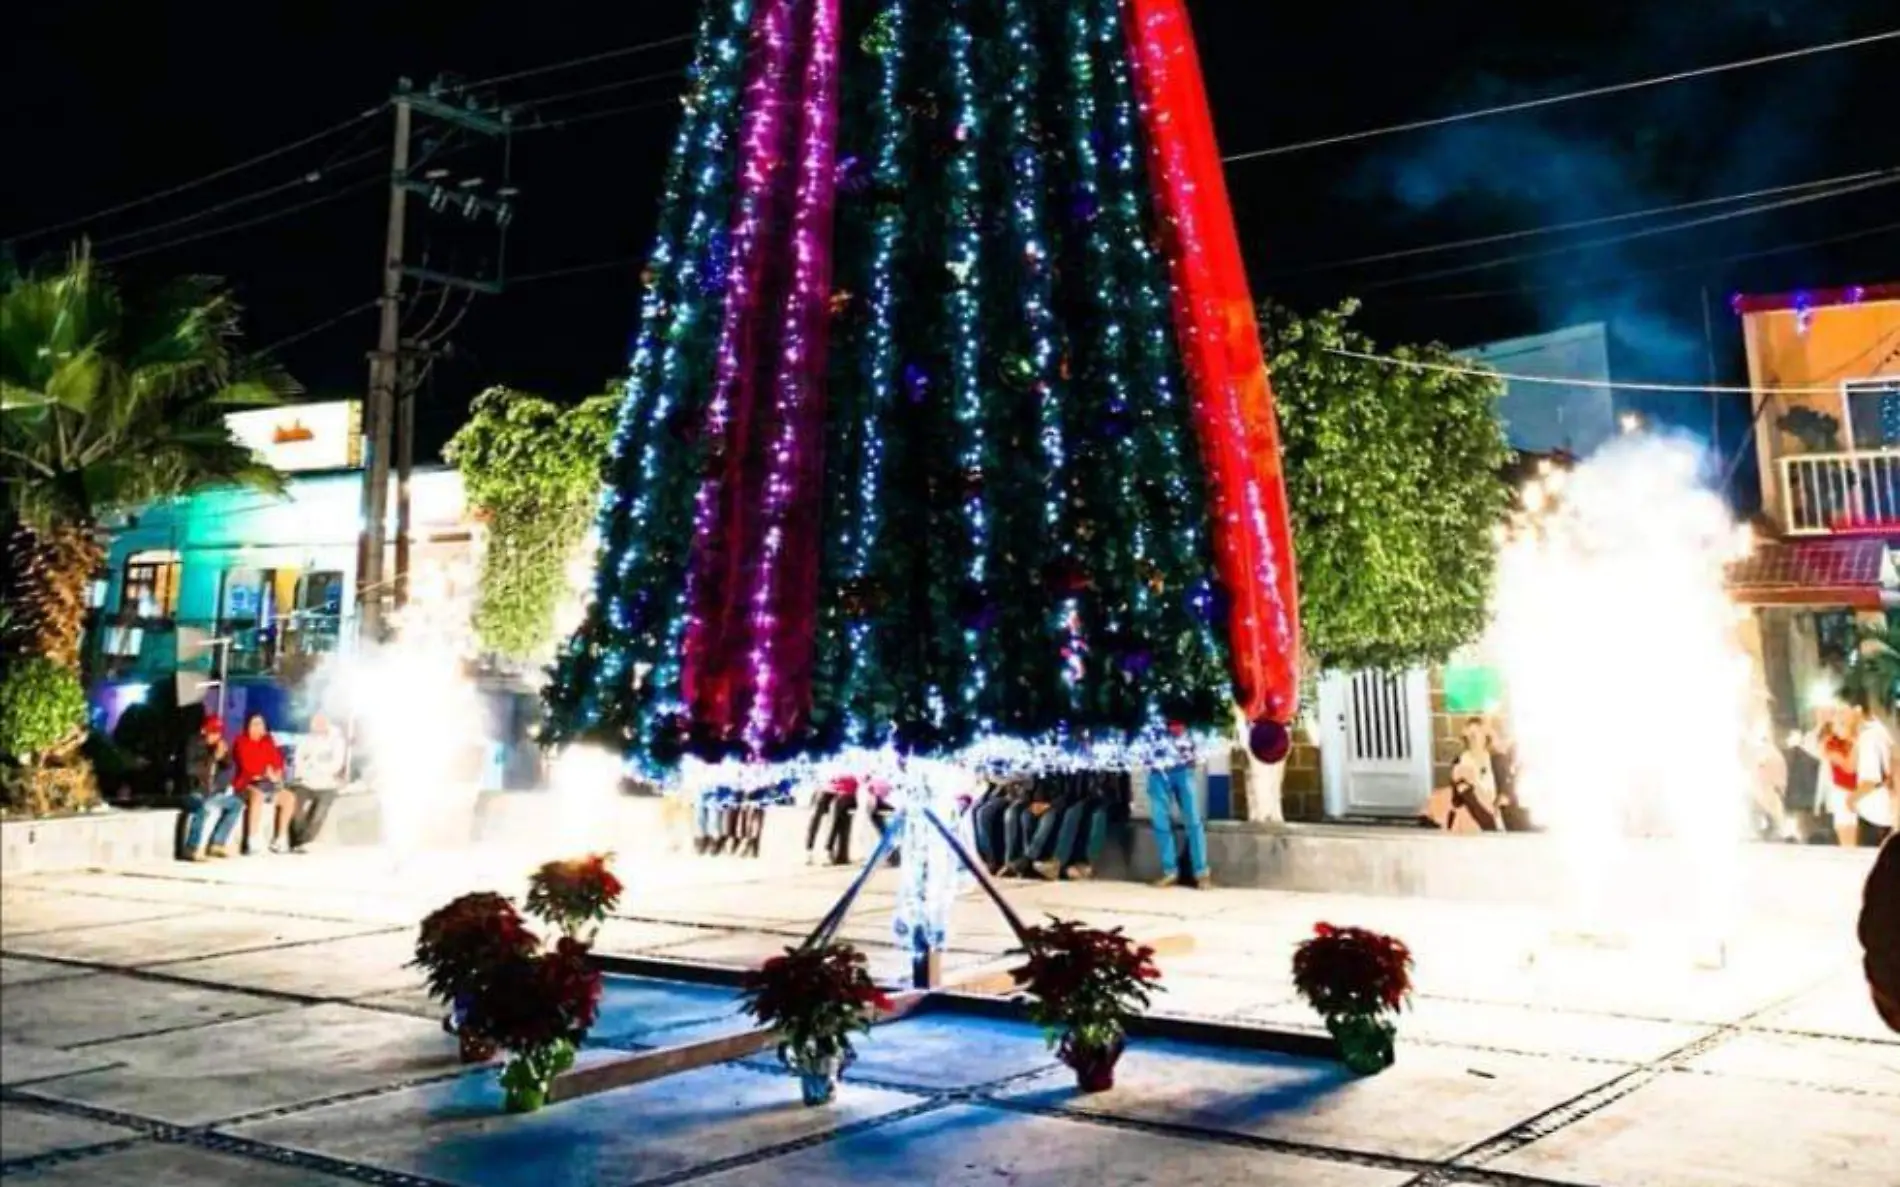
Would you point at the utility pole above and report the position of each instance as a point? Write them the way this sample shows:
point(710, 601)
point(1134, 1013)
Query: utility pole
point(389, 409)
point(378, 406)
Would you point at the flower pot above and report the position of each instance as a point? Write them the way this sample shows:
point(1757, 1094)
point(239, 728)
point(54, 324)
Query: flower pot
point(530, 1074)
point(475, 1049)
point(818, 1080)
point(1094, 1067)
point(1365, 1041)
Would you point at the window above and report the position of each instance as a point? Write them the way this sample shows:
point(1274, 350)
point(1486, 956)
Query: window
point(1873, 412)
point(151, 586)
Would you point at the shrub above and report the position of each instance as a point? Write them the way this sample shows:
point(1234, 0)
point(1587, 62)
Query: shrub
point(42, 709)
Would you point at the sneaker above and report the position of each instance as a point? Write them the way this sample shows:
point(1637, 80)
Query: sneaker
point(280, 846)
point(1048, 871)
point(1204, 881)
point(194, 855)
point(1080, 872)
point(1165, 881)
point(220, 851)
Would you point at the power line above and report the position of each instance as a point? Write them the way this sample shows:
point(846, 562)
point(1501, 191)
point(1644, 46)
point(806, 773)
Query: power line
point(1687, 266)
point(621, 84)
point(575, 270)
point(215, 174)
point(1574, 225)
point(274, 215)
point(1550, 100)
point(1609, 384)
point(588, 116)
point(310, 178)
point(318, 328)
point(624, 51)
point(1886, 179)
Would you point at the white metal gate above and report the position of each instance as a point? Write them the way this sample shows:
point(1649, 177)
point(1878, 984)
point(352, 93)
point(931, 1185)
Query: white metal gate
point(1377, 749)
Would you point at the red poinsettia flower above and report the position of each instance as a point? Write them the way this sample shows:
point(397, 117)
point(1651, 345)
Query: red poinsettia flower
point(1351, 970)
point(576, 893)
point(815, 998)
point(461, 944)
point(1085, 982)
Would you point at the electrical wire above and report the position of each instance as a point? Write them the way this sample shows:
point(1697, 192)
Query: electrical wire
point(1687, 266)
point(214, 175)
point(624, 51)
point(1551, 100)
point(273, 216)
point(319, 327)
point(1575, 224)
point(587, 116)
point(622, 84)
point(597, 266)
point(1887, 178)
point(1608, 384)
point(310, 178)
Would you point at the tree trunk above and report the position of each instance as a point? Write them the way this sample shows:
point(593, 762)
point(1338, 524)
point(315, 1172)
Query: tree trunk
point(48, 573)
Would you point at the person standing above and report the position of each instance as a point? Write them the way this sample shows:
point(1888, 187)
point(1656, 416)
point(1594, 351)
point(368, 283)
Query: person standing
point(322, 760)
point(1173, 786)
point(260, 780)
point(209, 800)
point(1474, 787)
point(1832, 742)
point(1872, 800)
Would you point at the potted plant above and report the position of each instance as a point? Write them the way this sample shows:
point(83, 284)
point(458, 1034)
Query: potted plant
point(461, 947)
point(575, 895)
point(1084, 984)
point(538, 1006)
point(1355, 978)
point(815, 998)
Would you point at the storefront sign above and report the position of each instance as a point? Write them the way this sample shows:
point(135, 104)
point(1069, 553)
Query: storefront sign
point(325, 436)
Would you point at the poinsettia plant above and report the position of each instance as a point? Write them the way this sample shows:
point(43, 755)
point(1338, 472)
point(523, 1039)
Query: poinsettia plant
point(1084, 983)
point(461, 945)
point(1352, 970)
point(816, 998)
point(538, 1006)
point(1355, 978)
point(575, 894)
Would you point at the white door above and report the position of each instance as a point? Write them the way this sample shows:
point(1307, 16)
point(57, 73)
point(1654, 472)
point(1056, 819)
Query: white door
point(1377, 751)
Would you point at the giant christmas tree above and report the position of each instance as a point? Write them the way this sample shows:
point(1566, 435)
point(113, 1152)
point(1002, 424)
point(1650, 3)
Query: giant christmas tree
point(947, 424)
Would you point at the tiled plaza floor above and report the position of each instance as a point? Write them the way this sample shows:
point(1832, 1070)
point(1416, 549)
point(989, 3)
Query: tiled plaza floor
point(253, 1022)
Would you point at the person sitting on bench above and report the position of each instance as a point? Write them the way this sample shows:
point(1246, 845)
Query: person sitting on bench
point(321, 761)
point(208, 797)
point(260, 780)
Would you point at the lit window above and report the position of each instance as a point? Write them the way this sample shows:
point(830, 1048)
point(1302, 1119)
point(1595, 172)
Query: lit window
point(151, 586)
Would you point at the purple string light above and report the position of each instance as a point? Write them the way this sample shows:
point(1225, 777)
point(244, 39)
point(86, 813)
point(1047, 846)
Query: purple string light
point(784, 578)
point(762, 165)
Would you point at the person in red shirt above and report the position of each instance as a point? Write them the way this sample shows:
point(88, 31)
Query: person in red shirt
point(260, 780)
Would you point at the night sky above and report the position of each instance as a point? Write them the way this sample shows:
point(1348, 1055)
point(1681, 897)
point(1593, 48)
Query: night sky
point(105, 103)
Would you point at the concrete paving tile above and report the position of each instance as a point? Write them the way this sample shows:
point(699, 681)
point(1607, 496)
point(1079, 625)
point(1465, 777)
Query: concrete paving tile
point(20, 970)
point(942, 1051)
point(1713, 1131)
point(1432, 1103)
point(235, 1068)
point(751, 949)
point(22, 1063)
point(354, 967)
point(26, 913)
point(1215, 997)
point(413, 1000)
point(182, 937)
point(1842, 1006)
point(28, 1132)
point(972, 1146)
point(1803, 1059)
point(621, 937)
point(152, 1164)
point(1514, 1028)
point(105, 1006)
point(456, 1131)
point(636, 1007)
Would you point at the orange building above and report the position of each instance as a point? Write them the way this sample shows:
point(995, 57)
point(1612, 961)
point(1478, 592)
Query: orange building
point(1825, 369)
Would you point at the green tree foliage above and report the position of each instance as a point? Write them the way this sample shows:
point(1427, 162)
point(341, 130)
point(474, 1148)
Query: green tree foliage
point(531, 469)
point(1394, 478)
point(42, 708)
point(106, 403)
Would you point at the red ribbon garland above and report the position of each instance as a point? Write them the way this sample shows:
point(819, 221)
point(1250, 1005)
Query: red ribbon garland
point(1220, 345)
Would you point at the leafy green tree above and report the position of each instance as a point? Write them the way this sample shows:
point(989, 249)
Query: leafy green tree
point(42, 723)
point(531, 469)
point(1394, 478)
point(106, 403)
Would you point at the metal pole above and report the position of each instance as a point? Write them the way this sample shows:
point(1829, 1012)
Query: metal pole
point(380, 402)
point(405, 462)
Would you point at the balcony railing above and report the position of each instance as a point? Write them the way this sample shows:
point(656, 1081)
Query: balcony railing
point(1840, 492)
point(159, 646)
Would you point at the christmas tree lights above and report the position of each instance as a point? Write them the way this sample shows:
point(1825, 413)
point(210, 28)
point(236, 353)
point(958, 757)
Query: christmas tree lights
point(942, 325)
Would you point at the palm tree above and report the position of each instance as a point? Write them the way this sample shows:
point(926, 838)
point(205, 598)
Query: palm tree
point(106, 404)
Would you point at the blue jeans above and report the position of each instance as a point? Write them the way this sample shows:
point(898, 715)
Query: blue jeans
point(987, 822)
point(224, 806)
point(1074, 817)
point(1176, 785)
